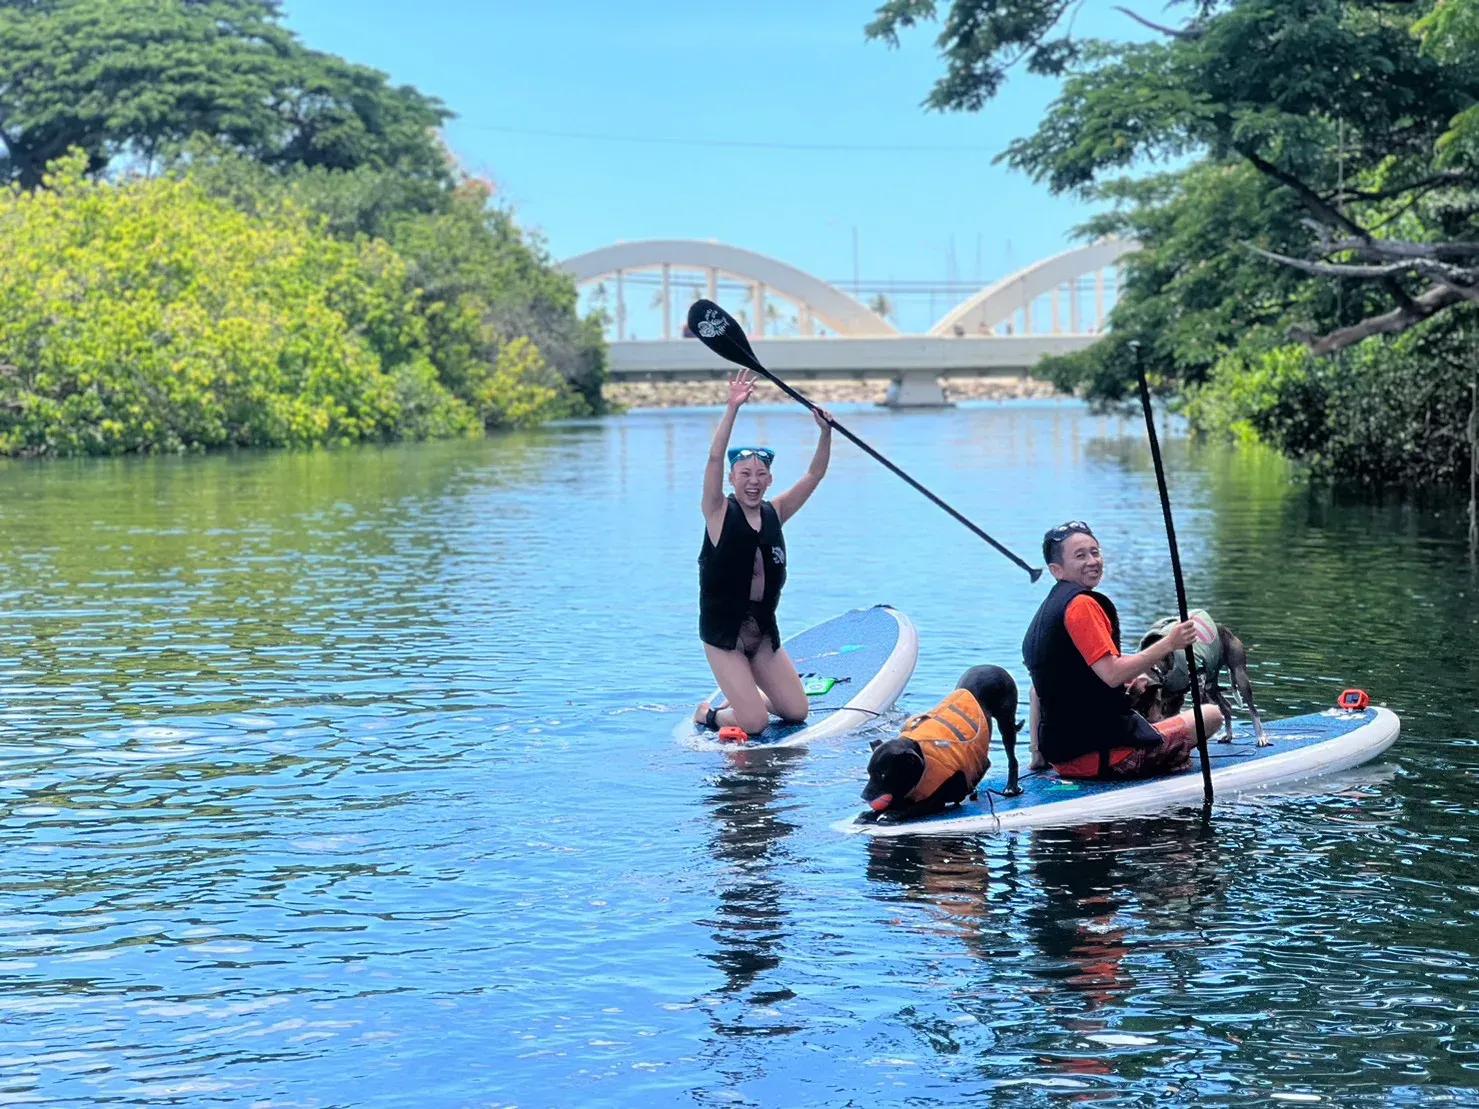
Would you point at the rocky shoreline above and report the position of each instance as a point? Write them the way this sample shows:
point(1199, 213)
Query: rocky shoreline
point(690, 394)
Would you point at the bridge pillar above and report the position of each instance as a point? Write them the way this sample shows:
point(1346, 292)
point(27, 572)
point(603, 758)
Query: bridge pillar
point(916, 389)
point(621, 308)
point(667, 302)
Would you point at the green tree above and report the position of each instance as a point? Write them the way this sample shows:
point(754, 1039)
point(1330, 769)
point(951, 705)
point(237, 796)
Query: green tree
point(485, 282)
point(1329, 195)
point(222, 98)
point(1450, 33)
point(1334, 103)
point(134, 78)
point(481, 281)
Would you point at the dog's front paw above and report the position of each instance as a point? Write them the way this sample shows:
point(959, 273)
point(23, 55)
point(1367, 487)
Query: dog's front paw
point(1264, 741)
point(869, 817)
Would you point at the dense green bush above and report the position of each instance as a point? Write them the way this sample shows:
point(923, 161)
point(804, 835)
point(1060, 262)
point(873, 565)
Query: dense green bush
point(147, 316)
point(1384, 411)
point(152, 316)
point(480, 279)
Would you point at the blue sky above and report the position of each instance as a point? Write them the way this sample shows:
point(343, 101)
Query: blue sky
point(768, 72)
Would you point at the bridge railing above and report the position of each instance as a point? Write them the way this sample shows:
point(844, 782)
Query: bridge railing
point(1013, 305)
point(991, 332)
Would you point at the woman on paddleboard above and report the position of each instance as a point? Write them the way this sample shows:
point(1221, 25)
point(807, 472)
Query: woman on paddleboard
point(741, 570)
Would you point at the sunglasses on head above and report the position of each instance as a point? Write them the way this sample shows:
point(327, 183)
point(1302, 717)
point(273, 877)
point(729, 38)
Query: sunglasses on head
point(1063, 531)
point(739, 454)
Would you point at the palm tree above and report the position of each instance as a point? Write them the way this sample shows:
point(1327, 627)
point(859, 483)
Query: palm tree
point(774, 317)
point(882, 306)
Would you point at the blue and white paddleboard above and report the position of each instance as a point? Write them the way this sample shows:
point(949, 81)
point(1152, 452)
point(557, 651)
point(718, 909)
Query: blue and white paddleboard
point(858, 662)
point(1303, 746)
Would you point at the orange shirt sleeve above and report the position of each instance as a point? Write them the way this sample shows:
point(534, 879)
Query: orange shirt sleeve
point(1088, 627)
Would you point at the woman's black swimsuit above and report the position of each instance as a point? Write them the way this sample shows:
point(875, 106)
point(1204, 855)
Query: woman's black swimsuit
point(727, 617)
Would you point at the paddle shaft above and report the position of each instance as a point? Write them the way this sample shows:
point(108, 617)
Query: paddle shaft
point(1191, 659)
point(722, 334)
point(1033, 572)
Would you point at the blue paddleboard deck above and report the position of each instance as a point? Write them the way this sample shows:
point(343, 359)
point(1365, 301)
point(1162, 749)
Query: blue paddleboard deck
point(1301, 747)
point(858, 662)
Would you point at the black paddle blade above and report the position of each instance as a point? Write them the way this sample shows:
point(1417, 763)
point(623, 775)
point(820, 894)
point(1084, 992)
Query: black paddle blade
point(722, 334)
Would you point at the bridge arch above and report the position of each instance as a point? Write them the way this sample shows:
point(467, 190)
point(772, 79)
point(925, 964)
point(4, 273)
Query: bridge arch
point(815, 297)
point(1000, 302)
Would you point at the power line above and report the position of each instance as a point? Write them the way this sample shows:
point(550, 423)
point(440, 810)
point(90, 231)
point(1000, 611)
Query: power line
point(589, 136)
point(651, 282)
point(684, 279)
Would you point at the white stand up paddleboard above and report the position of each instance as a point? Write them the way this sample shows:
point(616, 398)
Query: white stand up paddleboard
point(1303, 747)
point(854, 667)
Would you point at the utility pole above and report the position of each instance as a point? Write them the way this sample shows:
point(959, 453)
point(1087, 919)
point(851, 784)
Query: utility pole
point(855, 280)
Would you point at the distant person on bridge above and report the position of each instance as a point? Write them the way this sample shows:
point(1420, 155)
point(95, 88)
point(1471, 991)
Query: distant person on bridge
point(1082, 722)
point(741, 570)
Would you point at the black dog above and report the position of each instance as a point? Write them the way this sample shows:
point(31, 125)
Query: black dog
point(1169, 683)
point(940, 757)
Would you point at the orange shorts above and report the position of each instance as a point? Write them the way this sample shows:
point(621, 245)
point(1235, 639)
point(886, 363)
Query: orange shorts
point(1178, 741)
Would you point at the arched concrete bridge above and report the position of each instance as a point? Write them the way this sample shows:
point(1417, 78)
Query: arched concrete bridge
point(993, 332)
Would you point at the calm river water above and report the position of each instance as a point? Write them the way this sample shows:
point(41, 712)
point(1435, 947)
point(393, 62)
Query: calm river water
point(348, 779)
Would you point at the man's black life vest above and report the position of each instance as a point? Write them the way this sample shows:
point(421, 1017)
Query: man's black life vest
point(1078, 712)
point(725, 570)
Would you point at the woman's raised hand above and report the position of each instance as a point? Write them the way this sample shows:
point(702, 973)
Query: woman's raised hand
point(741, 388)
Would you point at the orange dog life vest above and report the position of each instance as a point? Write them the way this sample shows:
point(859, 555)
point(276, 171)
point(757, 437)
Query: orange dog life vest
point(955, 735)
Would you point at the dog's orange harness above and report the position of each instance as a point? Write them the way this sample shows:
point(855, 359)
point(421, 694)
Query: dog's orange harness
point(953, 736)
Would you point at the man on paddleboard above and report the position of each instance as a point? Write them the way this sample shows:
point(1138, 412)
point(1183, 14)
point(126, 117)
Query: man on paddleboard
point(1081, 718)
point(741, 570)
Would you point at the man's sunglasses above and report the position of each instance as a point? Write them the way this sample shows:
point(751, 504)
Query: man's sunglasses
point(739, 454)
point(1072, 527)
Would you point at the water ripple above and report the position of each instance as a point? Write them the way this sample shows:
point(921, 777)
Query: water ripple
point(349, 777)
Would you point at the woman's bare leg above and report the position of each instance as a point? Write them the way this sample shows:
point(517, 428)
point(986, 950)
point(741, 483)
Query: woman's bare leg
point(776, 675)
point(747, 706)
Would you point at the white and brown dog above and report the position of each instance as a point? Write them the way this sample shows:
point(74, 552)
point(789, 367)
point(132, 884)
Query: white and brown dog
point(1164, 693)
